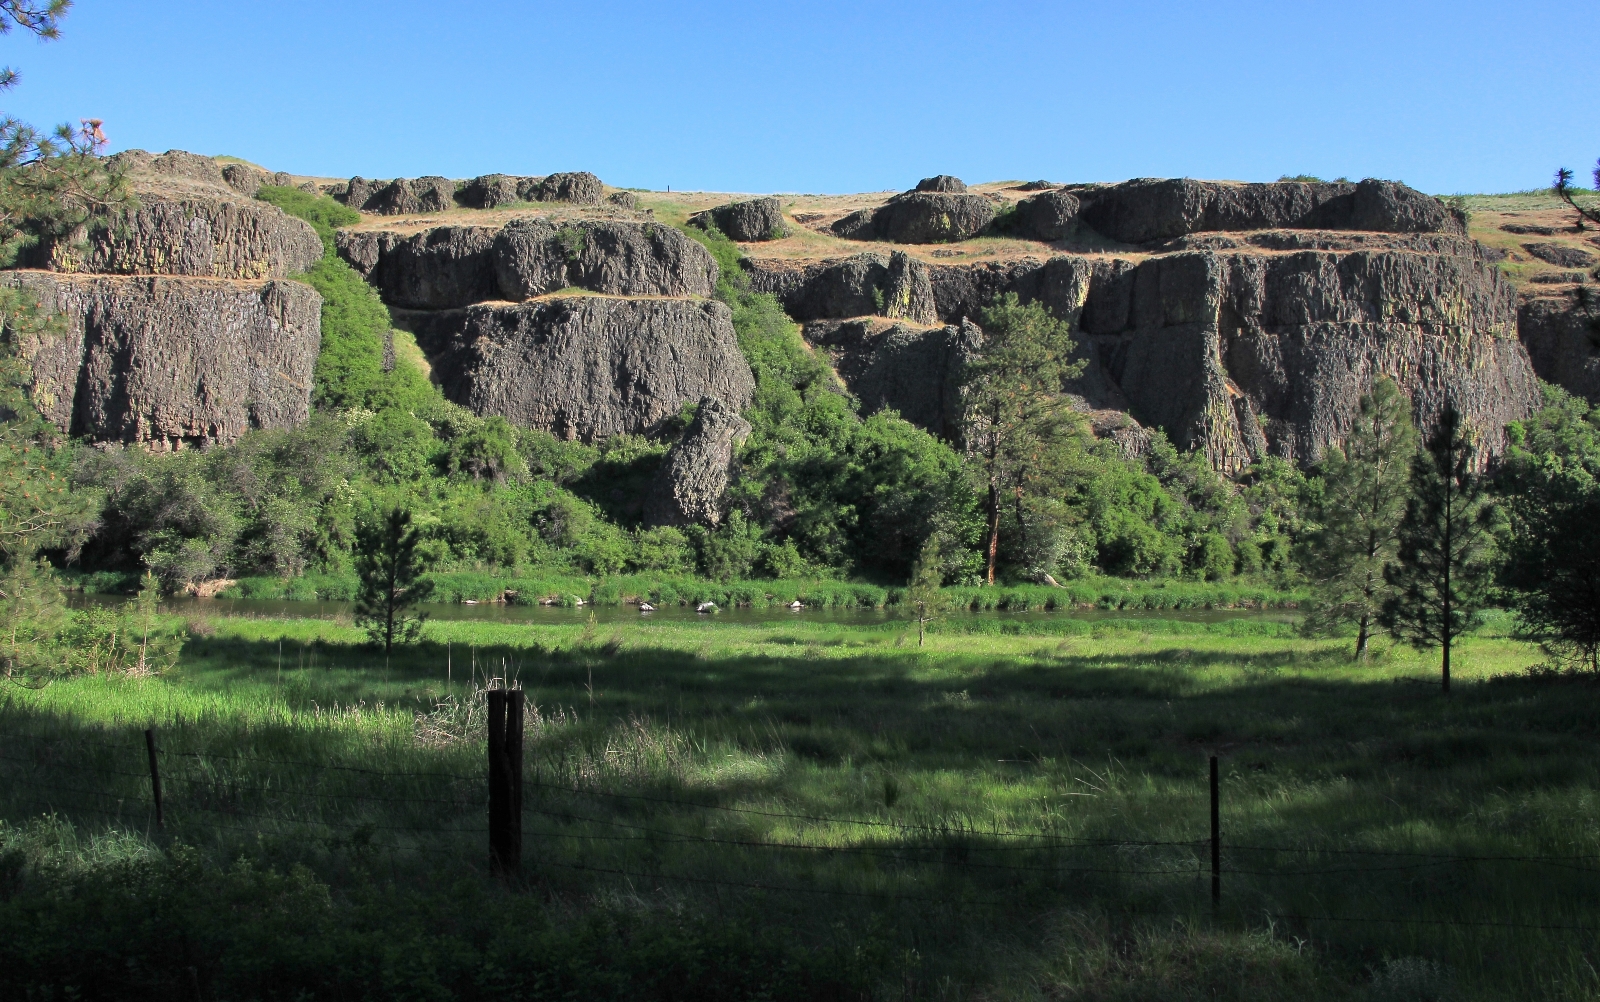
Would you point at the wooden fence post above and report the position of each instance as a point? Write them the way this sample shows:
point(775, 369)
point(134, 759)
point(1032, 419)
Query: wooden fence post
point(505, 781)
point(155, 772)
point(1216, 839)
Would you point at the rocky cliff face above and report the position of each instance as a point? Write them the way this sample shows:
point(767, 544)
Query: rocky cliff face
point(194, 218)
point(1241, 344)
point(453, 266)
point(170, 361)
point(585, 367)
point(1562, 335)
point(910, 369)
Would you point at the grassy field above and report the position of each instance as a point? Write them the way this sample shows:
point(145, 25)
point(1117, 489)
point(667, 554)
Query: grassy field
point(803, 809)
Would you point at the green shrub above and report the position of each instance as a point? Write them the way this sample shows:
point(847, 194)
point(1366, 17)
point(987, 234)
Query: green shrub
point(323, 213)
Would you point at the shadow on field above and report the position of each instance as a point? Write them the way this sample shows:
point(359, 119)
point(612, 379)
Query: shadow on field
point(862, 784)
point(885, 704)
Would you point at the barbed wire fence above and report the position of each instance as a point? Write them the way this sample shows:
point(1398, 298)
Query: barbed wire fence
point(183, 791)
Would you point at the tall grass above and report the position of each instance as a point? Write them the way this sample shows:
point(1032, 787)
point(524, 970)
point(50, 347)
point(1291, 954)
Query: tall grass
point(922, 811)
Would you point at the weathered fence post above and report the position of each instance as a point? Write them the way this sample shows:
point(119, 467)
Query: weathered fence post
point(1216, 839)
point(505, 781)
point(155, 772)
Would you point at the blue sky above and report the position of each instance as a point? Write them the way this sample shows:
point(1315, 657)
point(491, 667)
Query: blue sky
point(835, 97)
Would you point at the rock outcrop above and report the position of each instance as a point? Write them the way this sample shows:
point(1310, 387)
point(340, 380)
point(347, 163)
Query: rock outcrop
point(919, 217)
point(585, 367)
point(943, 183)
point(746, 222)
point(1259, 345)
point(536, 257)
point(453, 266)
point(172, 362)
point(1050, 216)
point(578, 187)
point(490, 191)
point(1241, 355)
point(441, 268)
point(688, 488)
point(1149, 209)
point(852, 287)
point(191, 220)
point(1560, 255)
point(1562, 336)
point(908, 291)
point(913, 370)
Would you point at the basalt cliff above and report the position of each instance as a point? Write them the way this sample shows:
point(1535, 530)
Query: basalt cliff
point(1244, 320)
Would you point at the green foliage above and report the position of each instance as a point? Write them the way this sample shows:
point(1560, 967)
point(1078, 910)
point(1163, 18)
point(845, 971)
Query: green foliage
point(390, 570)
point(1551, 548)
point(1441, 570)
point(32, 614)
point(323, 213)
point(1214, 557)
point(356, 328)
point(1365, 486)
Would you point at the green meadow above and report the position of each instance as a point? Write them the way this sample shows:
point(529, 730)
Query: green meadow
point(807, 807)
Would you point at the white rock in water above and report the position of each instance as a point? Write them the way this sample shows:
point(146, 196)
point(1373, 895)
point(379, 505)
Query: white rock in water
point(705, 607)
point(646, 607)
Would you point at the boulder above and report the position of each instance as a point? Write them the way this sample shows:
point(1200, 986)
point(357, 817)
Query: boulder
point(623, 199)
point(688, 488)
point(1560, 255)
point(539, 256)
point(908, 292)
point(171, 362)
point(1150, 209)
point(247, 179)
point(920, 217)
point(1562, 338)
point(942, 183)
point(1035, 186)
point(1052, 215)
point(585, 367)
point(861, 224)
point(757, 219)
point(580, 187)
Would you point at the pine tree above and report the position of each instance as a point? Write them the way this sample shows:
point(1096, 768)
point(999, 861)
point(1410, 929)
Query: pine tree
point(1365, 487)
point(51, 186)
point(924, 592)
point(1441, 573)
point(1016, 413)
point(389, 567)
